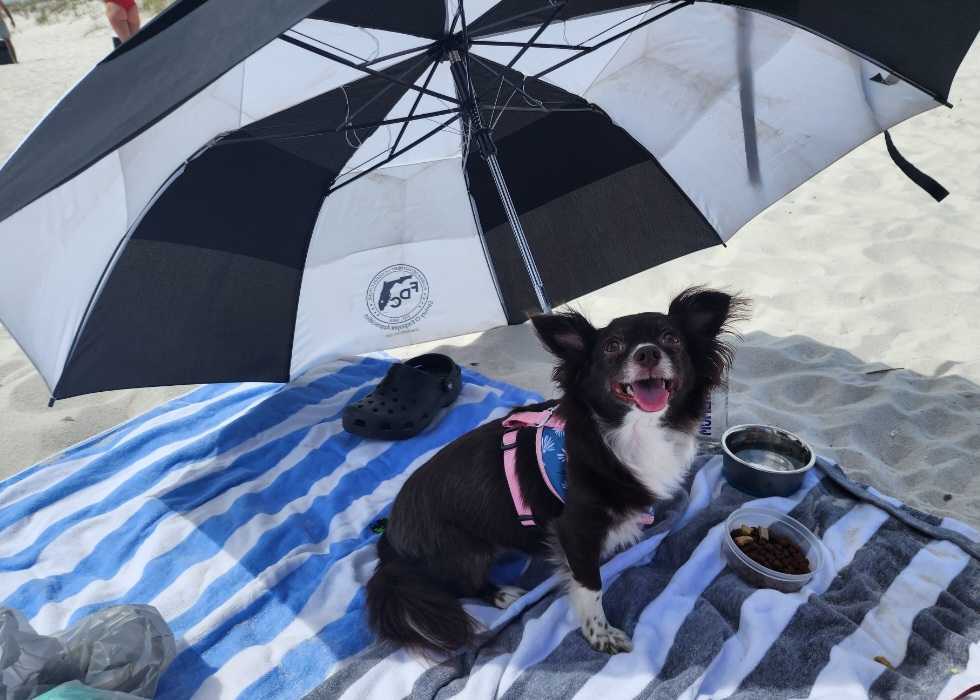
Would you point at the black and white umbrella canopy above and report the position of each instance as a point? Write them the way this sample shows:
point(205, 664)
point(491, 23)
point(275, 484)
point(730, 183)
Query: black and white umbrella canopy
point(248, 186)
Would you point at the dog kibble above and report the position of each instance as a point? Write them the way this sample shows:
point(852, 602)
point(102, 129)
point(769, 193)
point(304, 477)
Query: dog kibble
point(773, 552)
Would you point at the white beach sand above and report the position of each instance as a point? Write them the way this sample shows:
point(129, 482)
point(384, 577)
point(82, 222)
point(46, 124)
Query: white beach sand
point(857, 271)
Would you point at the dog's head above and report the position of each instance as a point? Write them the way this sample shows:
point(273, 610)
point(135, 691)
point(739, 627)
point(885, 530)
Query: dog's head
point(650, 362)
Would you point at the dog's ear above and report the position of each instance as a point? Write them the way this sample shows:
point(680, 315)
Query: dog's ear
point(703, 315)
point(568, 335)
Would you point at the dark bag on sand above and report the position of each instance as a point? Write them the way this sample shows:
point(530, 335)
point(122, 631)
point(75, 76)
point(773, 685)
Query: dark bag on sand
point(4, 54)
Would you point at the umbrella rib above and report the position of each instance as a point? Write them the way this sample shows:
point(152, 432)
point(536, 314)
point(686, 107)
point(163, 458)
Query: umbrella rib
point(484, 31)
point(396, 54)
point(381, 92)
point(566, 107)
point(541, 105)
point(452, 27)
point(364, 68)
point(534, 37)
point(589, 49)
point(413, 144)
point(655, 6)
point(337, 130)
point(532, 100)
point(496, 98)
point(418, 98)
point(500, 114)
point(329, 45)
point(528, 45)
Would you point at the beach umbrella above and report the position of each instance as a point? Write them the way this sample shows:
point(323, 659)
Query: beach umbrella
point(248, 186)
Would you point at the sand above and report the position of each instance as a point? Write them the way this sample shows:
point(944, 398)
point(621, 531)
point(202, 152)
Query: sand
point(865, 335)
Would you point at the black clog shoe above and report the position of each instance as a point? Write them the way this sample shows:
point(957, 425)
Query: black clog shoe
point(407, 399)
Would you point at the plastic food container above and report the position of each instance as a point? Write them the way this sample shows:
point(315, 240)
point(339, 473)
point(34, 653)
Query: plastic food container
point(779, 524)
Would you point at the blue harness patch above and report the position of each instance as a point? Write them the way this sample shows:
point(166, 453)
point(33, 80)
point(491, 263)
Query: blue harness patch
point(553, 460)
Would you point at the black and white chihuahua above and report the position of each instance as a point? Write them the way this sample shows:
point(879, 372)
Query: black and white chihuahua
point(634, 394)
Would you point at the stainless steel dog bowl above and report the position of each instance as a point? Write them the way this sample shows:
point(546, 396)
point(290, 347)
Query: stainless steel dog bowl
point(763, 460)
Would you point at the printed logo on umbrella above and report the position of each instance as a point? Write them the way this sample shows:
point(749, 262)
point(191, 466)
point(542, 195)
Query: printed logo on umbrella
point(398, 298)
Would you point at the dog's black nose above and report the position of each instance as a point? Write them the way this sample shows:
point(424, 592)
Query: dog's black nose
point(648, 356)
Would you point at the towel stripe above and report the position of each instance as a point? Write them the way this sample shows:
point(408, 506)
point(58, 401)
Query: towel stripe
point(365, 453)
point(721, 603)
point(57, 546)
point(41, 475)
point(252, 659)
point(336, 622)
point(662, 618)
point(967, 678)
point(885, 630)
point(545, 629)
point(939, 646)
point(140, 515)
point(737, 646)
point(539, 634)
point(93, 480)
point(516, 679)
point(240, 511)
point(171, 558)
point(872, 570)
point(766, 613)
point(644, 584)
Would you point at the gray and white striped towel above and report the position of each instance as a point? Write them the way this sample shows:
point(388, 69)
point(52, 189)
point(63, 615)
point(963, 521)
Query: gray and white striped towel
point(887, 593)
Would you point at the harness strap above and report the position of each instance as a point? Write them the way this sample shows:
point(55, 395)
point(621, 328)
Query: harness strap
point(509, 446)
point(529, 419)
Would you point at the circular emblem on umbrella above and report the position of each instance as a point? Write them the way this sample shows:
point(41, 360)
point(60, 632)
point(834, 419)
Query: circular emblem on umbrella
point(398, 297)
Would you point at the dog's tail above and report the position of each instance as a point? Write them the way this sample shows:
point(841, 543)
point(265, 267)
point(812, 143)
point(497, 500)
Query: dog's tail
point(407, 607)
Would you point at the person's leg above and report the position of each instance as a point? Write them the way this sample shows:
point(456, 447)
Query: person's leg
point(119, 20)
point(7, 41)
point(133, 19)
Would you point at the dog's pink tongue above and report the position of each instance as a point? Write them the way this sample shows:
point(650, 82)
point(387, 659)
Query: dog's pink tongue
point(650, 396)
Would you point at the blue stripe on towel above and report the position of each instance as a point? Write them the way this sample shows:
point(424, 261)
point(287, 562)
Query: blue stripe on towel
point(113, 551)
point(198, 490)
point(106, 440)
point(339, 640)
point(111, 463)
point(290, 594)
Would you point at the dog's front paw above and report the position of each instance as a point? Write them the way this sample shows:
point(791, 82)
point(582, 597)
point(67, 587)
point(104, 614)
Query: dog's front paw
point(603, 637)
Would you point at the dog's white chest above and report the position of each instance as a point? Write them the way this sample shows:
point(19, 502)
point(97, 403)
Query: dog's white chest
point(659, 457)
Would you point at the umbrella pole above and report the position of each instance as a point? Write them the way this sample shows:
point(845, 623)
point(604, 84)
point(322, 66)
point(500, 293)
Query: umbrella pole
point(518, 230)
point(483, 140)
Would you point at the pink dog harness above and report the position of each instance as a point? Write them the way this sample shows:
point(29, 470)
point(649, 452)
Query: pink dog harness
point(549, 449)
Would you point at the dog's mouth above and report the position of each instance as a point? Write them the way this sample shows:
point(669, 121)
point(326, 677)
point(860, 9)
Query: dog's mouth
point(650, 395)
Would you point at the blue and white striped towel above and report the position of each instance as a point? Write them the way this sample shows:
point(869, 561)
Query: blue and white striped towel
point(241, 512)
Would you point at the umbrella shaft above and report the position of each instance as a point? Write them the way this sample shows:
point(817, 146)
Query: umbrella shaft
point(515, 225)
point(483, 139)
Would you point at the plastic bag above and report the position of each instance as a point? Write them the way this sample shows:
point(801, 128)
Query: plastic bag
point(123, 648)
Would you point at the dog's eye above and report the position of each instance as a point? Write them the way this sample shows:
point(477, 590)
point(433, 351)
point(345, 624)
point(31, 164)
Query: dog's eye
point(670, 339)
point(613, 346)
